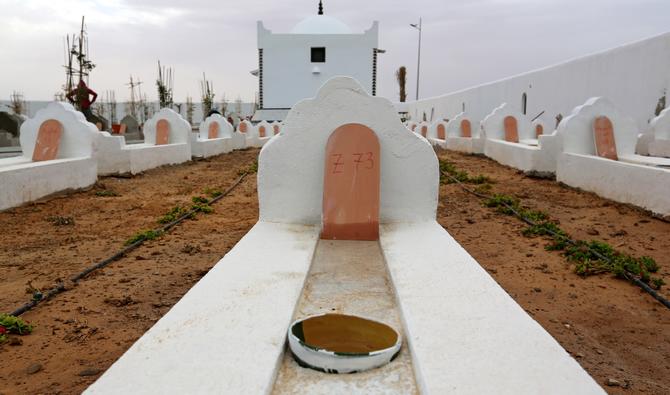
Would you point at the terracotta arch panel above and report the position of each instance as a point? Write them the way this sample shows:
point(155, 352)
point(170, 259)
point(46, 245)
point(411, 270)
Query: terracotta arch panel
point(351, 184)
point(48, 140)
point(275, 129)
point(603, 134)
point(424, 130)
point(511, 129)
point(213, 130)
point(539, 130)
point(261, 131)
point(413, 128)
point(242, 127)
point(162, 132)
point(440, 131)
point(466, 128)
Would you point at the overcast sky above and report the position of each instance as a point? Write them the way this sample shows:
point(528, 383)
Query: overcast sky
point(465, 42)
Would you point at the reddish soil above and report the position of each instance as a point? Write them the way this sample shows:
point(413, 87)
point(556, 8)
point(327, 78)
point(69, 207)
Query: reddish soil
point(614, 330)
point(82, 331)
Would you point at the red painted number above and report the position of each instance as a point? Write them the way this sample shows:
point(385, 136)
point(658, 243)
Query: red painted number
point(365, 159)
point(337, 163)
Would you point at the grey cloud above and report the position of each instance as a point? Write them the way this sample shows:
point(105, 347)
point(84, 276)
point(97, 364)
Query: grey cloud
point(466, 42)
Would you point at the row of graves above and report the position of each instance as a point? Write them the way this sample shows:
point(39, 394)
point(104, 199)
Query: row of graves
point(596, 148)
point(62, 151)
point(346, 271)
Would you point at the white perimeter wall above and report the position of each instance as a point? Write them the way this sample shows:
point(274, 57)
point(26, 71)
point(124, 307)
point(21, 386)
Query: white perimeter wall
point(632, 76)
point(287, 66)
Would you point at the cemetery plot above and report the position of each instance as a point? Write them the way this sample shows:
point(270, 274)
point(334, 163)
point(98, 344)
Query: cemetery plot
point(614, 330)
point(81, 332)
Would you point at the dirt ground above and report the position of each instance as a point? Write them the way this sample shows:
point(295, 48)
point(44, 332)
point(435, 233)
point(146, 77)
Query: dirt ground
point(614, 330)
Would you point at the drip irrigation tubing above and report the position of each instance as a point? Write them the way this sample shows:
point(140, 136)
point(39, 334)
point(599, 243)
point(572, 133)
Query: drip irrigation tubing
point(61, 287)
point(629, 276)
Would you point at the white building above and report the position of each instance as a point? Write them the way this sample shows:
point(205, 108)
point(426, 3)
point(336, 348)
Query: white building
point(293, 66)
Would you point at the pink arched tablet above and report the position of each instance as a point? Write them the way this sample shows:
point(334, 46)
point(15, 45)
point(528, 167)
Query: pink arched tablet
point(48, 140)
point(275, 129)
point(440, 131)
point(351, 184)
point(603, 133)
point(539, 130)
point(466, 128)
point(511, 129)
point(162, 132)
point(261, 131)
point(213, 130)
point(424, 130)
point(242, 127)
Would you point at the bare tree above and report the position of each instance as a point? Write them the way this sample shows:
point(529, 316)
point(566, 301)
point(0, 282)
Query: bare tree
point(17, 104)
point(401, 77)
point(207, 94)
point(189, 109)
point(164, 83)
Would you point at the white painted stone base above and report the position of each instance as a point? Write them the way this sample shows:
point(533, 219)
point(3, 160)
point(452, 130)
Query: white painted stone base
point(519, 156)
point(227, 334)
point(144, 157)
point(435, 142)
point(22, 180)
point(257, 142)
point(659, 147)
point(210, 147)
point(644, 186)
point(112, 156)
point(465, 144)
point(465, 333)
point(207, 148)
point(115, 157)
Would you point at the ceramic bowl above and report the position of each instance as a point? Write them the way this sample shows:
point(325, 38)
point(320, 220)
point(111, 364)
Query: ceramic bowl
point(338, 343)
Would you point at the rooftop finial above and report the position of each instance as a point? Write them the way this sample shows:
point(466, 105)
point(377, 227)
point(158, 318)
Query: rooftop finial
point(320, 7)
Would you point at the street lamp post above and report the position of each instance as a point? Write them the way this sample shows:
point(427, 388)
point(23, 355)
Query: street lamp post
point(418, 61)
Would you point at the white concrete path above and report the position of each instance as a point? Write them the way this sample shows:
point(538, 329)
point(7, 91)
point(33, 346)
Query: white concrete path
point(227, 334)
point(465, 333)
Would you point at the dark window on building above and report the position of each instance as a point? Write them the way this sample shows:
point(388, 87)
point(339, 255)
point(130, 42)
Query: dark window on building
point(524, 103)
point(318, 54)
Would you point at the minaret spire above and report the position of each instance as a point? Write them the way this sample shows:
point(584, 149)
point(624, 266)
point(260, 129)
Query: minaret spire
point(320, 7)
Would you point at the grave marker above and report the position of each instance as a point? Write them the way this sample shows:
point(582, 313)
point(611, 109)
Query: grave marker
point(466, 128)
point(511, 129)
point(351, 184)
point(440, 131)
point(48, 141)
point(213, 131)
point(162, 132)
point(603, 134)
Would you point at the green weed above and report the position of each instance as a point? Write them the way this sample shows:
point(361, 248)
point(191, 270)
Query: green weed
point(106, 193)
point(172, 215)
point(144, 235)
point(13, 325)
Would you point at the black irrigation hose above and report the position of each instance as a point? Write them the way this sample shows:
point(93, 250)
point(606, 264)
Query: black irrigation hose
point(629, 276)
point(60, 287)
